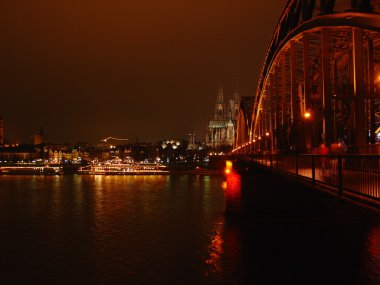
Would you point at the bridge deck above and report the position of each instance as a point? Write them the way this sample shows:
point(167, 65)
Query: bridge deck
point(298, 235)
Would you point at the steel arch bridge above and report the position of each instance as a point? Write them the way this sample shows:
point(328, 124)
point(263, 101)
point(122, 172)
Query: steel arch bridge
point(320, 82)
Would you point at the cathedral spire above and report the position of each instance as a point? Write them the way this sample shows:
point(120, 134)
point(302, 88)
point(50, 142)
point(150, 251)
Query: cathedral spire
point(219, 105)
point(234, 104)
point(236, 96)
point(220, 98)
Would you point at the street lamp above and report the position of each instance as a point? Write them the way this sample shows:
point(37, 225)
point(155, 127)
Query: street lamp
point(307, 115)
point(308, 131)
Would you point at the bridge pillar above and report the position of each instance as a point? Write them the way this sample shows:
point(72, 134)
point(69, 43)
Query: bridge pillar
point(360, 129)
point(326, 88)
point(273, 103)
point(293, 134)
point(277, 106)
point(371, 89)
point(306, 85)
point(266, 121)
point(284, 123)
point(293, 84)
point(283, 89)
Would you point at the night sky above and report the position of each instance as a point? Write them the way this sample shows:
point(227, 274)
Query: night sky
point(147, 69)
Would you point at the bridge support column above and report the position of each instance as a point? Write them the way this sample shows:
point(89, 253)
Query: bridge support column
point(371, 91)
point(295, 134)
point(359, 87)
point(273, 103)
point(277, 106)
point(326, 88)
point(306, 86)
point(293, 84)
point(284, 122)
point(268, 120)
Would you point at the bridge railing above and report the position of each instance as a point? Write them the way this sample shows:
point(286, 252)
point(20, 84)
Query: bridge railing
point(353, 175)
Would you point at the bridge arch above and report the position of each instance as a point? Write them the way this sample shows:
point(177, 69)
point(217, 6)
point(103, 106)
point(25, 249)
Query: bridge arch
point(244, 120)
point(320, 81)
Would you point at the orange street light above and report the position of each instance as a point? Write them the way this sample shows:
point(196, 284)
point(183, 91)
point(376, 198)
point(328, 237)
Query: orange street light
point(307, 115)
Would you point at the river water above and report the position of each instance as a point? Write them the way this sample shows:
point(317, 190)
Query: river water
point(173, 230)
point(111, 229)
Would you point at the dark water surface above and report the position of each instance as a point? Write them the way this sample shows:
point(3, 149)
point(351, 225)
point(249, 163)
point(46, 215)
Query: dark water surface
point(173, 230)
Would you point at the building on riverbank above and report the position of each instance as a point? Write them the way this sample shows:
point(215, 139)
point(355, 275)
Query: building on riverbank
point(221, 129)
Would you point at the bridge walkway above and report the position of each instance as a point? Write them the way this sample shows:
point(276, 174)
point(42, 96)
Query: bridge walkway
point(296, 234)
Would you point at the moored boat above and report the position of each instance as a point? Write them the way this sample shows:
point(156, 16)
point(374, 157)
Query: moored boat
point(31, 169)
point(123, 168)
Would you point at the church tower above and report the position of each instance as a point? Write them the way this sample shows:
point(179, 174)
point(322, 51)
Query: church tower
point(235, 104)
point(219, 106)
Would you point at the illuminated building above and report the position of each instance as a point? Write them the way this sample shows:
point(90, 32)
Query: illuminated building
point(17, 153)
point(193, 144)
point(221, 130)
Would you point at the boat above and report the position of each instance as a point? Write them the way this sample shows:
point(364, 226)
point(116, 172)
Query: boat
point(31, 169)
point(126, 167)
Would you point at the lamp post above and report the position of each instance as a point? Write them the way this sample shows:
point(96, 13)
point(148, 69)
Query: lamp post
point(308, 132)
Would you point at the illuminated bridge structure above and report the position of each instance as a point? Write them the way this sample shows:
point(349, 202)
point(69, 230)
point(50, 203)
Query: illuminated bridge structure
point(320, 81)
point(316, 113)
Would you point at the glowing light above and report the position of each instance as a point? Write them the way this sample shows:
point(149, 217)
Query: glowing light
point(307, 115)
point(215, 250)
point(259, 138)
point(228, 166)
point(267, 134)
point(119, 139)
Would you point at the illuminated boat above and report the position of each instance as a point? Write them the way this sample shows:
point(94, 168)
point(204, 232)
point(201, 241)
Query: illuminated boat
point(124, 168)
point(31, 169)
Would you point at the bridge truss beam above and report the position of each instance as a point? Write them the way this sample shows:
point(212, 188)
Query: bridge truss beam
point(321, 80)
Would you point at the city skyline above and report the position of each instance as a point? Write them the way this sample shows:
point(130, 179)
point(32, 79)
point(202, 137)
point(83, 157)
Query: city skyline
point(133, 69)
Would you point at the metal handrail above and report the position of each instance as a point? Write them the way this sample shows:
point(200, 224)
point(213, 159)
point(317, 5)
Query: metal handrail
point(347, 174)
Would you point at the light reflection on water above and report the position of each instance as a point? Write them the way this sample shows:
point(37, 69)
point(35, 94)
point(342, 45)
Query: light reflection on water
point(171, 230)
point(233, 193)
point(215, 249)
point(113, 229)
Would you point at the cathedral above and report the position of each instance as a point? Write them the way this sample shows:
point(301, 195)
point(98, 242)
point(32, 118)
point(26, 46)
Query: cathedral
point(221, 130)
